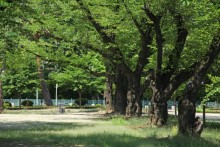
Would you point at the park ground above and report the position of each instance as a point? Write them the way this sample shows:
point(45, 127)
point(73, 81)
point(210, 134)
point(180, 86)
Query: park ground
point(81, 127)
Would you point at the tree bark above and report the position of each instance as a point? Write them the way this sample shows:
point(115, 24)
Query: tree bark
point(187, 110)
point(108, 95)
point(44, 88)
point(130, 109)
point(134, 96)
point(120, 93)
point(1, 98)
point(158, 110)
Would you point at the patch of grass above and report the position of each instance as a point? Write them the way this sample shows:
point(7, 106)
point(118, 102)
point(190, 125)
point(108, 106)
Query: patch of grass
point(119, 121)
point(112, 132)
point(208, 110)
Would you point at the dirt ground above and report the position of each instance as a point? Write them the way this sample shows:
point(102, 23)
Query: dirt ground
point(71, 115)
point(50, 116)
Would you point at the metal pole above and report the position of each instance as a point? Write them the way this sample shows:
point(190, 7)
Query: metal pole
point(175, 107)
point(203, 115)
point(37, 98)
point(56, 93)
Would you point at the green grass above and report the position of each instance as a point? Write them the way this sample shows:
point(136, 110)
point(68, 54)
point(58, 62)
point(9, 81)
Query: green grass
point(208, 110)
point(104, 132)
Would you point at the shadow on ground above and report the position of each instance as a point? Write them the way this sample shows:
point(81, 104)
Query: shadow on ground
point(105, 139)
point(42, 134)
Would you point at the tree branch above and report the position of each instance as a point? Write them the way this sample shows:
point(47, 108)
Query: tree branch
point(144, 54)
point(179, 45)
point(198, 69)
point(174, 57)
point(209, 57)
point(149, 13)
point(134, 19)
point(102, 53)
point(159, 37)
point(86, 68)
point(98, 27)
point(159, 42)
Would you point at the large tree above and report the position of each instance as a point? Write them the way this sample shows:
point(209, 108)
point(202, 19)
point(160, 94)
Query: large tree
point(122, 56)
point(163, 29)
point(177, 57)
point(186, 105)
point(8, 37)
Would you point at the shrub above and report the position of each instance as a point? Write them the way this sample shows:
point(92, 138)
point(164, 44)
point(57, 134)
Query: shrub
point(27, 103)
point(100, 106)
point(7, 105)
point(73, 105)
point(83, 101)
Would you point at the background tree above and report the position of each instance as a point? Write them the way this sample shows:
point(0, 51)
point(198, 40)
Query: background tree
point(8, 35)
point(19, 79)
point(212, 84)
point(83, 80)
point(122, 56)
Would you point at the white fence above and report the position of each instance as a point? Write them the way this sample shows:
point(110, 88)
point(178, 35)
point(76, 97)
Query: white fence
point(40, 102)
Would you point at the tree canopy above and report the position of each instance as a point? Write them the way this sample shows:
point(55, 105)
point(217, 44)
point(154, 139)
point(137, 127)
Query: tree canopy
point(135, 45)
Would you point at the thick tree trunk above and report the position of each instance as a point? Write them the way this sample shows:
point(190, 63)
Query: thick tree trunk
point(134, 95)
point(138, 97)
point(158, 110)
point(120, 94)
point(158, 113)
point(44, 88)
point(186, 116)
point(108, 95)
point(134, 104)
point(130, 109)
point(188, 124)
point(1, 98)
point(120, 100)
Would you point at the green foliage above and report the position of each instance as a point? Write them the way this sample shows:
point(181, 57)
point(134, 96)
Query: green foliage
point(17, 109)
point(77, 79)
point(73, 105)
point(7, 105)
point(83, 101)
point(212, 89)
point(74, 54)
point(27, 103)
point(100, 106)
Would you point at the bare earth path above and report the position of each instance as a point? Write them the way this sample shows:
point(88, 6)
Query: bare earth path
point(50, 116)
point(71, 115)
point(24, 119)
